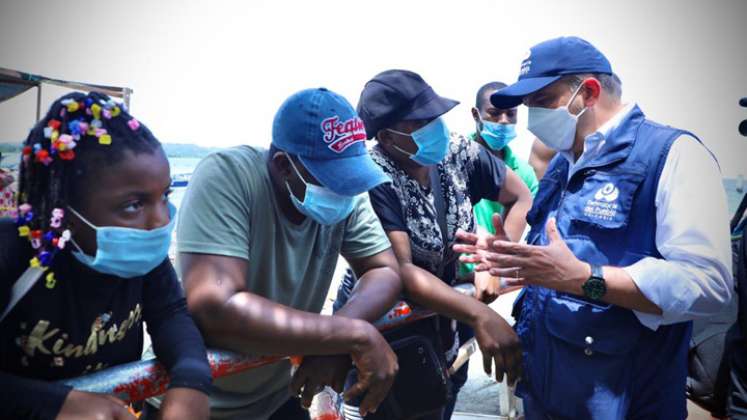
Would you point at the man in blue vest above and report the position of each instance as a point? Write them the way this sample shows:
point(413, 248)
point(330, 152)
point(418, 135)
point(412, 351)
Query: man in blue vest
point(628, 244)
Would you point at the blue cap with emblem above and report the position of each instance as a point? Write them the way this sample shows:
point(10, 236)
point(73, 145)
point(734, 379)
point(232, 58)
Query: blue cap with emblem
point(323, 130)
point(546, 63)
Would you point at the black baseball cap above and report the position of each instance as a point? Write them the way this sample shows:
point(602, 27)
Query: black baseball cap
point(399, 95)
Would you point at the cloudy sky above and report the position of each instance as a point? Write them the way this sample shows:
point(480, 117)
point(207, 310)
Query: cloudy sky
point(214, 73)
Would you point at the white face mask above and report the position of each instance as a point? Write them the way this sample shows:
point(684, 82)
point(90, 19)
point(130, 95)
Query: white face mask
point(555, 127)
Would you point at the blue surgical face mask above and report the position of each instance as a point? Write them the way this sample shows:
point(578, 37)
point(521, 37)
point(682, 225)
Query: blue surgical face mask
point(497, 135)
point(127, 252)
point(432, 140)
point(555, 127)
point(321, 204)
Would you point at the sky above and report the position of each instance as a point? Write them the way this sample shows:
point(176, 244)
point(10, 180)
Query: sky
point(214, 73)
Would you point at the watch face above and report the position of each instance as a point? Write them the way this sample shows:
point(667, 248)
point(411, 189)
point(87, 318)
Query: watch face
point(595, 288)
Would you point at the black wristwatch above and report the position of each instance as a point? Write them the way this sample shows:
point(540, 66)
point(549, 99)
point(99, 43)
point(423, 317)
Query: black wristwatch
point(595, 287)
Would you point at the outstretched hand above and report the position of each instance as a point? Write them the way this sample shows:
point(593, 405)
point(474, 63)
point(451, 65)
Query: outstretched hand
point(474, 246)
point(553, 266)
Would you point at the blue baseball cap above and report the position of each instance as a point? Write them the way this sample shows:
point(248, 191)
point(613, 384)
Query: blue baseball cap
point(323, 130)
point(546, 63)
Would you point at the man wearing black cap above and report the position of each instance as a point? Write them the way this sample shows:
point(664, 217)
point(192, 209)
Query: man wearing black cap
point(436, 176)
point(622, 256)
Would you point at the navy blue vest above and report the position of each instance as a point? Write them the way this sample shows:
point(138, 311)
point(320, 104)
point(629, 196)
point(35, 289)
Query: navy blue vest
point(589, 359)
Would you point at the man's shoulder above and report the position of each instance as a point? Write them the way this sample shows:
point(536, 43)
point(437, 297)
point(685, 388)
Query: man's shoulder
point(239, 156)
point(238, 164)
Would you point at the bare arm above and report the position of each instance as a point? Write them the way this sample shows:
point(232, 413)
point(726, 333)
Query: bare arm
point(517, 200)
point(540, 157)
point(495, 337)
point(377, 289)
point(231, 317)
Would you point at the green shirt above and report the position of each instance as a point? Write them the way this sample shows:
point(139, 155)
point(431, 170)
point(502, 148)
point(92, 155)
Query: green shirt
point(485, 208)
point(230, 209)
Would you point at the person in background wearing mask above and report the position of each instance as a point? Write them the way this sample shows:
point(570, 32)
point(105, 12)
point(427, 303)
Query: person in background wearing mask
point(421, 218)
point(620, 255)
point(258, 240)
point(496, 128)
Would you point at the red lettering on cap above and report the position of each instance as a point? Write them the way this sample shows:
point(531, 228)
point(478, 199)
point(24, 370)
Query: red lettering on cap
point(341, 135)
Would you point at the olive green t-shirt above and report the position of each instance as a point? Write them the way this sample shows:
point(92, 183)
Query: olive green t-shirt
point(229, 209)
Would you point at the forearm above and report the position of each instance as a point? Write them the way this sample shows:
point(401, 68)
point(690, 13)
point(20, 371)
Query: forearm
point(374, 294)
point(428, 290)
point(621, 289)
point(515, 217)
point(251, 324)
point(179, 346)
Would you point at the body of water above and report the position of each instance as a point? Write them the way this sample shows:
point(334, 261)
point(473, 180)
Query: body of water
point(186, 165)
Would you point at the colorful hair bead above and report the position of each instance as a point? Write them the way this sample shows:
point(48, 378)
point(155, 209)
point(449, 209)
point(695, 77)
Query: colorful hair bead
point(24, 208)
point(43, 157)
point(96, 111)
point(23, 231)
point(107, 114)
point(134, 124)
point(105, 139)
point(34, 262)
point(116, 111)
point(63, 239)
point(67, 154)
point(45, 258)
point(50, 280)
point(55, 124)
point(72, 106)
point(56, 220)
point(48, 132)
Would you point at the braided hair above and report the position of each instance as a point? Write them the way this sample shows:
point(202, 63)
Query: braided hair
point(80, 134)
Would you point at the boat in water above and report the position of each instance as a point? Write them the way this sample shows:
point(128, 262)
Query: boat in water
point(180, 180)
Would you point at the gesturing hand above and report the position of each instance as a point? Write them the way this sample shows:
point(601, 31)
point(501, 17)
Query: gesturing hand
point(475, 245)
point(553, 266)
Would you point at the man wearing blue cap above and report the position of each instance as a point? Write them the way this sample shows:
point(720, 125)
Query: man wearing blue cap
point(628, 244)
point(258, 239)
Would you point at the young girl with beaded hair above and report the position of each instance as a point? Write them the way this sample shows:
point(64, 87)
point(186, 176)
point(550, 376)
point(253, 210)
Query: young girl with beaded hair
point(91, 240)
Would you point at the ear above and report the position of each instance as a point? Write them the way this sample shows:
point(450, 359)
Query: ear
point(281, 163)
point(592, 91)
point(475, 114)
point(384, 137)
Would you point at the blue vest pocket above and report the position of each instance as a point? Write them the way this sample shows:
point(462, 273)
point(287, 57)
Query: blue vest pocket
point(585, 362)
point(596, 327)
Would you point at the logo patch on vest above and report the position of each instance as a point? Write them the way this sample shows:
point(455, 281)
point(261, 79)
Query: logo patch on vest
point(604, 205)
